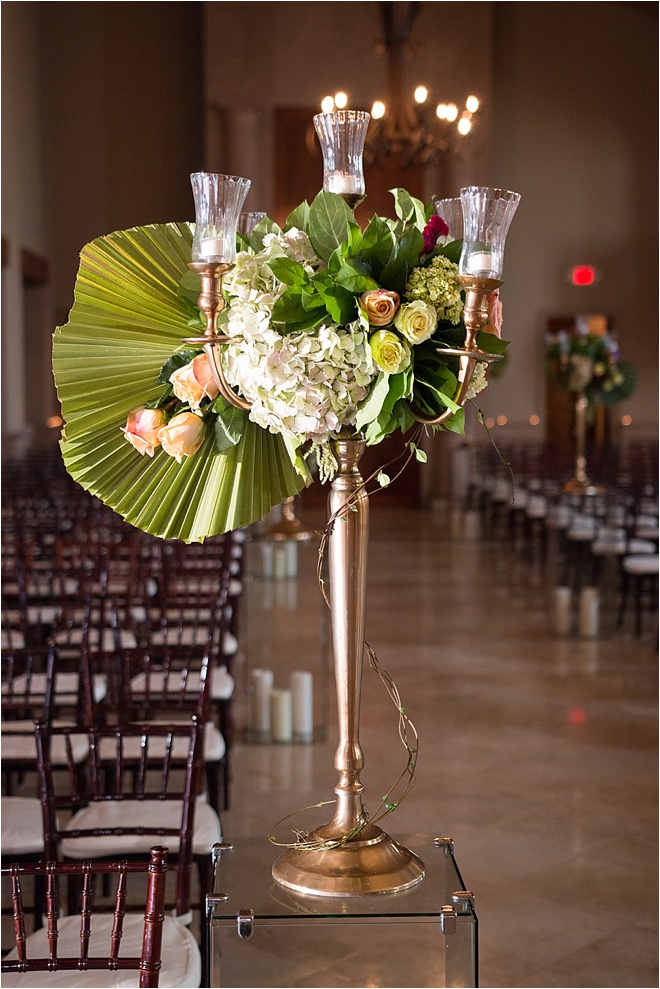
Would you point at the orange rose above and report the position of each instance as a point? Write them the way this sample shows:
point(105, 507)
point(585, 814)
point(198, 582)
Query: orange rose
point(142, 427)
point(183, 435)
point(194, 382)
point(379, 306)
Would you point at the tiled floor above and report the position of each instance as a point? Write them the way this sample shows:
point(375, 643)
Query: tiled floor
point(538, 754)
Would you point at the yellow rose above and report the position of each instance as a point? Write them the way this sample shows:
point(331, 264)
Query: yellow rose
point(390, 352)
point(379, 306)
point(416, 320)
point(142, 427)
point(194, 382)
point(183, 435)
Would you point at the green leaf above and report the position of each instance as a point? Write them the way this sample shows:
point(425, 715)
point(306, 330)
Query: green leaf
point(229, 426)
point(340, 303)
point(299, 218)
point(456, 424)
point(378, 243)
point(370, 408)
point(451, 251)
point(490, 343)
point(288, 309)
point(355, 276)
point(329, 222)
point(383, 479)
point(289, 271)
point(420, 455)
point(408, 208)
point(190, 286)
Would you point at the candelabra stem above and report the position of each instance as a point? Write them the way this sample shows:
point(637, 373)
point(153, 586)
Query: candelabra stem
point(580, 483)
point(351, 857)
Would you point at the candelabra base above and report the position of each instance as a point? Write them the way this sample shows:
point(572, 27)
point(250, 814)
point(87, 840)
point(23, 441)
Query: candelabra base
point(582, 487)
point(370, 863)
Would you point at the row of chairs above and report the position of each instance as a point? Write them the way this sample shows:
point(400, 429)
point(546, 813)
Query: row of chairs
point(119, 648)
point(612, 531)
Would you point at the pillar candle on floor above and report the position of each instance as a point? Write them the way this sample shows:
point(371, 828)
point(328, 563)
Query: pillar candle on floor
point(262, 684)
point(302, 692)
point(281, 715)
point(589, 612)
point(562, 610)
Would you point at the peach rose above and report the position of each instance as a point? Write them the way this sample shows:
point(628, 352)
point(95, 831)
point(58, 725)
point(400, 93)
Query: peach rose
point(379, 306)
point(142, 427)
point(494, 324)
point(183, 435)
point(194, 382)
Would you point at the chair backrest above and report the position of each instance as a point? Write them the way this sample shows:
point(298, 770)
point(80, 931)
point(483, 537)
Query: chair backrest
point(164, 682)
point(149, 961)
point(27, 691)
point(131, 764)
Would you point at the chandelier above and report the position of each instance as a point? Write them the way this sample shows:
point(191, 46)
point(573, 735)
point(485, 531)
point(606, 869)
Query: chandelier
point(400, 126)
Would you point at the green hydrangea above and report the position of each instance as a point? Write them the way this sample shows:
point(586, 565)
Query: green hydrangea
point(438, 284)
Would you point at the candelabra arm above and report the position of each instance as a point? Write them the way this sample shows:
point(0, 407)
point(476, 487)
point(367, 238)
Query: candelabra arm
point(475, 316)
point(211, 302)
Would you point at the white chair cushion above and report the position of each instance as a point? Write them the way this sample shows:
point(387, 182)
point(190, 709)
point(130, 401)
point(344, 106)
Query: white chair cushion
point(66, 686)
point(214, 745)
point(641, 566)
point(181, 960)
point(222, 684)
point(22, 827)
point(138, 813)
point(24, 748)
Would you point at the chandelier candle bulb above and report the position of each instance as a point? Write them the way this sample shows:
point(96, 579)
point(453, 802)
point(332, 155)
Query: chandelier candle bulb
point(589, 612)
point(260, 709)
point(562, 610)
point(280, 569)
point(302, 693)
point(281, 712)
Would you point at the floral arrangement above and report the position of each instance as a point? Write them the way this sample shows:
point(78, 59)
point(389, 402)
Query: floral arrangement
point(328, 326)
point(591, 364)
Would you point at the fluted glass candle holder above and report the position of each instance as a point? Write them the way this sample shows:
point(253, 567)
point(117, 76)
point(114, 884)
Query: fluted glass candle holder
point(487, 215)
point(218, 203)
point(248, 221)
point(342, 135)
point(451, 212)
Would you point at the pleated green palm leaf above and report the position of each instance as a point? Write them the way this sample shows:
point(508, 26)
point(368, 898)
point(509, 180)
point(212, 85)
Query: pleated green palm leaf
point(128, 318)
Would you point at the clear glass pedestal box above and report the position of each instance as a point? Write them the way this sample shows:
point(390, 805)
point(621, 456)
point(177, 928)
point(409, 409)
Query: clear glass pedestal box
point(262, 934)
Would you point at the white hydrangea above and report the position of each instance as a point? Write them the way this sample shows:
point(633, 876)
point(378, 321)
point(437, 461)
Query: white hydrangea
point(479, 381)
point(304, 385)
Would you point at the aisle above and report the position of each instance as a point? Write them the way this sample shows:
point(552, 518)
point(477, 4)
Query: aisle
point(538, 755)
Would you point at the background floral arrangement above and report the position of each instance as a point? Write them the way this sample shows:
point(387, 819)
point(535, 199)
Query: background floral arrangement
point(590, 363)
point(328, 326)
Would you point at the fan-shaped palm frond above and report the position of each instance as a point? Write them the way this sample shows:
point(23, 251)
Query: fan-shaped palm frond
point(127, 319)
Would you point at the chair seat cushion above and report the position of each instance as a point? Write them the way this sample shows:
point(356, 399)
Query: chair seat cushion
point(66, 687)
point(641, 566)
point(22, 746)
point(147, 814)
point(22, 827)
point(181, 960)
point(214, 745)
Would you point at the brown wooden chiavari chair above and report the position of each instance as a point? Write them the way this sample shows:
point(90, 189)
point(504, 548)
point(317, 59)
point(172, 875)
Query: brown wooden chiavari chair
point(93, 950)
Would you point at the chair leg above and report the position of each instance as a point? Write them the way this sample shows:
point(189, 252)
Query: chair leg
point(205, 873)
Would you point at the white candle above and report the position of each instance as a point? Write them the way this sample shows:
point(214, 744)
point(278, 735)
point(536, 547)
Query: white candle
point(212, 247)
point(589, 612)
point(280, 561)
point(267, 558)
point(562, 610)
point(262, 684)
point(480, 261)
point(291, 559)
point(281, 715)
point(342, 183)
point(302, 692)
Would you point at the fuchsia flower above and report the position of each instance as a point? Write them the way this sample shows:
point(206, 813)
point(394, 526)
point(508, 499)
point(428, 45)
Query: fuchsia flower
point(434, 229)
